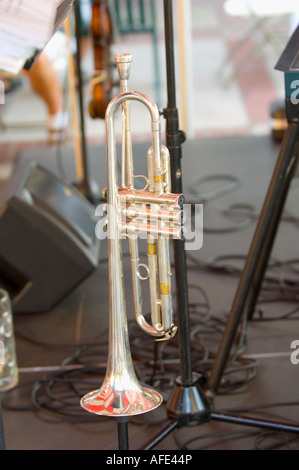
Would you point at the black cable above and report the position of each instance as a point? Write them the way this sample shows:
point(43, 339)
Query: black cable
point(201, 197)
point(286, 439)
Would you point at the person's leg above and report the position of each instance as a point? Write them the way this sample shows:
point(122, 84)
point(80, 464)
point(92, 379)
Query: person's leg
point(45, 82)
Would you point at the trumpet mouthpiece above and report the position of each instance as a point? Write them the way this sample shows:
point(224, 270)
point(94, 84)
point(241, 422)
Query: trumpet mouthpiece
point(123, 62)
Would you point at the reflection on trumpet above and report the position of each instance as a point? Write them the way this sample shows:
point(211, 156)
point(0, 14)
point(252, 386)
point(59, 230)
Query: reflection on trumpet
point(155, 213)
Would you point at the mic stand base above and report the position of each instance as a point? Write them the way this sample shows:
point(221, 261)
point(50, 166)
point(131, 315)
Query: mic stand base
point(188, 403)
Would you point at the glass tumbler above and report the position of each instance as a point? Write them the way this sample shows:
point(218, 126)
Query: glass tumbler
point(8, 360)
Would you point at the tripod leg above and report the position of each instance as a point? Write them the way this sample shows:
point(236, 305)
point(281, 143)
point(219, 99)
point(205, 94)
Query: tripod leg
point(272, 230)
point(276, 190)
point(255, 422)
point(156, 439)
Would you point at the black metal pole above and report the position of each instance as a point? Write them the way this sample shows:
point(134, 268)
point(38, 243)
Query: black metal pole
point(2, 438)
point(87, 186)
point(80, 93)
point(123, 435)
point(174, 139)
point(276, 193)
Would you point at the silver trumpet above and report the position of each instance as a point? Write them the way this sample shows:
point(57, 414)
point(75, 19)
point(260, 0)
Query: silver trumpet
point(155, 213)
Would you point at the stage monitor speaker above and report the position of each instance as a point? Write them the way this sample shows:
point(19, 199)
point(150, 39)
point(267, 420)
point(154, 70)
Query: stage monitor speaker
point(48, 244)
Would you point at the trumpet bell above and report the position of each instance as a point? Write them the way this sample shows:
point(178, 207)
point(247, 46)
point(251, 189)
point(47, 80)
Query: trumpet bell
point(128, 401)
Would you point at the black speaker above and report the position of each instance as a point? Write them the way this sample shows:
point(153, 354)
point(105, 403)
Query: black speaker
point(48, 244)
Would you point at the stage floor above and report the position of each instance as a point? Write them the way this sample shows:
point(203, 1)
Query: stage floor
point(230, 176)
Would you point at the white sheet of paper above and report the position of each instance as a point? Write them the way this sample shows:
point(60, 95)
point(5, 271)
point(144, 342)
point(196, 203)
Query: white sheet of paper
point(25, 27)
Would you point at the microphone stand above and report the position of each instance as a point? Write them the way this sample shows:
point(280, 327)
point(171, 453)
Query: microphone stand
point(192, 398)
point(187, 401)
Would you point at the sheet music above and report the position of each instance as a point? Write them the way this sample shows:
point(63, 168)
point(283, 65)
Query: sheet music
point(25, 27)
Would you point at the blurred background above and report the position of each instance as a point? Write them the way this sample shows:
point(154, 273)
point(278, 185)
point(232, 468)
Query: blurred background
point(218, 94)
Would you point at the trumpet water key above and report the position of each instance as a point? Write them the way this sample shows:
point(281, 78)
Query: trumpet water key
point(153, 213)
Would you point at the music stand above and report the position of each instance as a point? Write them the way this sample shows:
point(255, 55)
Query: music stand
point(192, 399)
